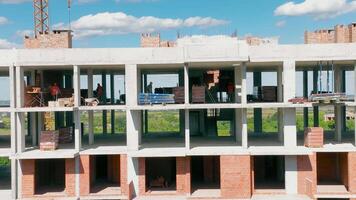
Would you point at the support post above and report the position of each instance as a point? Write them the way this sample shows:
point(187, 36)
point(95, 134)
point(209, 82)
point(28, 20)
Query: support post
point(290, 128)
point(133, 117)
point(112, 98)
point(133, 174)
point(13, 132)
point(315, 90)
point(257, 112)
point(90, 113)
point(187, 129)
point(76, 113)
point(241, 126)
point(280, 99)
point(291, 175)
point(186, 83)
point(20, 117)
point(32, 115)
point(103, 100)
point(338, 108)
point(305, 95)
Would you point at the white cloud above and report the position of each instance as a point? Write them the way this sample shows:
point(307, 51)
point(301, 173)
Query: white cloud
point(23, 33)
point(86, 1)
point(14, 1)
point(319, 9)
point(281, 23)
point(120, 23)
point(3, 20)
point(5, 44)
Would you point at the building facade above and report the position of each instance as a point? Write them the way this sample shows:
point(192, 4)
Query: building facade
point(199, 160)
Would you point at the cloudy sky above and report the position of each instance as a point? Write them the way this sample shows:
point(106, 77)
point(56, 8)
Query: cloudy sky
point(118, 23)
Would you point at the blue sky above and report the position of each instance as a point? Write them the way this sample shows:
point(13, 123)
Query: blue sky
point(249, 17)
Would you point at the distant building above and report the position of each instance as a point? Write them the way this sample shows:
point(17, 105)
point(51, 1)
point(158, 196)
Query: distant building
point(340, 34)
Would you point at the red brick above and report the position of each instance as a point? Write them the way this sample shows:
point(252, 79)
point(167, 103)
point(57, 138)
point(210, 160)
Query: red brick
point(183, 175)
point(84, 175)
point(28, 178)
point(235, 176)
point(142, 176)
point(123, 175)
point(307, 174)
point(49, 40)
point(352, 172)
point(70, 177)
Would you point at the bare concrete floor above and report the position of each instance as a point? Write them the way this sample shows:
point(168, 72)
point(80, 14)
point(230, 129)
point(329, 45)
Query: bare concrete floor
point(332, 188)
point(162, 191)
point(207, 190)
point(264, 139)
point(100, 189)
point(105, 140)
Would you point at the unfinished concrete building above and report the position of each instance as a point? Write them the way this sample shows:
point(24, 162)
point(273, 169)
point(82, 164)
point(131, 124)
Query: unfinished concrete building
point(113, 142)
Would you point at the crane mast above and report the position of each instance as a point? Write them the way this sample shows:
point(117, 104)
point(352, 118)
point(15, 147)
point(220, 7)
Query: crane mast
point(41, 17)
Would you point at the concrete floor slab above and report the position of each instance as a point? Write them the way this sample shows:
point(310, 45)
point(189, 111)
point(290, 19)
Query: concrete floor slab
point(38, 154)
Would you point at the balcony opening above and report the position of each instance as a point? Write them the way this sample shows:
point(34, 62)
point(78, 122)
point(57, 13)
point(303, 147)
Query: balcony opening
point(5, 134)
point(5, 177)
point(269, 174)
point(107, 87)
point(205, 176)
point(212, 86)
point(265, 127)
point(50, 177)
point(161, 87)
point(105, 175)
point(332, 172)
point(212, 127)
point(263, 86)
point(160, 175)
point(163, 128)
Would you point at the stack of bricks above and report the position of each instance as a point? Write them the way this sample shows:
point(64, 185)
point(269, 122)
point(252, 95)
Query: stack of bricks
point(178, 94)
point(65, 135)
point(314, 137)
point(49, 121)
point(198, 94)
point(49, 140)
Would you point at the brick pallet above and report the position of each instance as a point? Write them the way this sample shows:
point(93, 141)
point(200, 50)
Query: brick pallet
point(314, 137)
point(269, 93)
point(198, 94)
point(178, 94)
point(49, 140)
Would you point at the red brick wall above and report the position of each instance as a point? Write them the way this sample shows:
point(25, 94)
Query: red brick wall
point(84, 175)
point(343, 163)
point(123, 175)
point(28, 178)
point(235, 176)
point(352, 172)
point(114, 168)
point(307, 178)
point(70, 177)
point(50, 40)
point(183, 175)
point(141, 176)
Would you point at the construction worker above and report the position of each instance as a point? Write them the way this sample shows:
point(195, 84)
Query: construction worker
point(54, 90)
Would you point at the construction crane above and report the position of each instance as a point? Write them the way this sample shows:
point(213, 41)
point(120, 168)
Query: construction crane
point(41, 17)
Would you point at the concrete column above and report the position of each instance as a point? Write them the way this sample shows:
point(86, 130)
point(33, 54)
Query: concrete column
point(280, 123)
point(131, 75)
point(279, 83)
point(355, 96)
point(77, 130)
point(103, 100)
point(240, 84)
point(133, 174)
point(288, 80)
point(305, 95)
point(76, 84)
point(338, 108)
point(20, 92)
point(90, 113)
point(290, 128)
point(32, 121)
point(257, 112)
point(186, 83)
point(77, 176)
point(20, 117)
point(241, 127)
point(187, 129)
point(13, 132)
point(315, 90)
point(133, 117)
point(112, 98)
point(291, 175)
